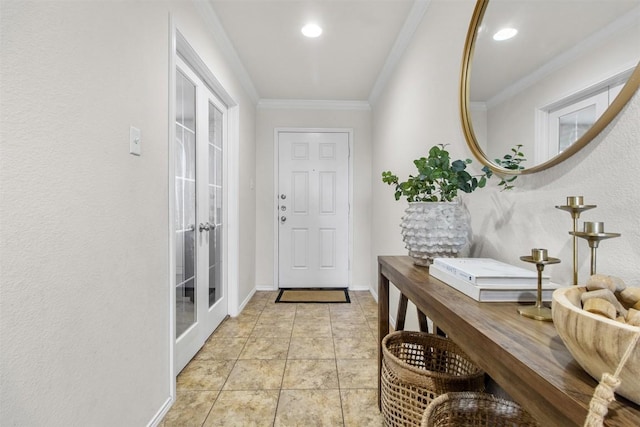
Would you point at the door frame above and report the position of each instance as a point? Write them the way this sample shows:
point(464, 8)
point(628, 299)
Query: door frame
point(276, 175)
point(179, 46)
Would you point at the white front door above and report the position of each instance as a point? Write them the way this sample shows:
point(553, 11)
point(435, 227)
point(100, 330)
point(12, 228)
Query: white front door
point(313, 209)
point(201, 292)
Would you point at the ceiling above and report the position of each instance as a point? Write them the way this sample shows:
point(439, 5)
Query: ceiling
point(344, 63)
point(363, 39)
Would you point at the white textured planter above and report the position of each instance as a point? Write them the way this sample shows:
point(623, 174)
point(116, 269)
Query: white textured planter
point(436, 229)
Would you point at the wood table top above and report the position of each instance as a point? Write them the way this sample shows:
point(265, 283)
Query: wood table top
point(525, 357)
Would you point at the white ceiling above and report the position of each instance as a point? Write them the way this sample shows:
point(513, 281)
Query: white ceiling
point(344, 63)
point(363, 39)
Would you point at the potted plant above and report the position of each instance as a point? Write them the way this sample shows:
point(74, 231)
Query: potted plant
point(436, 223)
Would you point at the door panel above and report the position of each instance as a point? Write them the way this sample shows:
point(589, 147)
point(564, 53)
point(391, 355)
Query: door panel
point(313, 209)
point(201, 302)
point(185, 194)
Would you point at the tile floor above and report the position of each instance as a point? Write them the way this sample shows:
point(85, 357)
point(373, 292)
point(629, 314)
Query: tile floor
point(285, 365)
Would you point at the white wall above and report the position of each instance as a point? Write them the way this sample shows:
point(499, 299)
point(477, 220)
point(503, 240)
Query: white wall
point(360, 122)
point(84, 322)
point(419, 108)
point(516, 115)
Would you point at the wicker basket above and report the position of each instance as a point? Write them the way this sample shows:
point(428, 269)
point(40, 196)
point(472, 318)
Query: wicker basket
point(416, 368)
point(475, 409)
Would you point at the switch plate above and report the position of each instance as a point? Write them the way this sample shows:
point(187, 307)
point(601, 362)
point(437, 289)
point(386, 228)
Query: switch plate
point(135, 141)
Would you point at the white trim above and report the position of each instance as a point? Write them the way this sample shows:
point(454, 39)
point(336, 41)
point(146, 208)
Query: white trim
point(359, 288)
point(405, 36)
point(172, 208)
point(191, 57)
point(164, 409)
point(276, 171)
point(222, 40)
point(246, 301)
point(233, 211)
point(312, 104)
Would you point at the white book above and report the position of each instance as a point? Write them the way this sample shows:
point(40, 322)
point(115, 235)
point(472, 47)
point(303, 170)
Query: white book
point(488, 271)
point(495, 293)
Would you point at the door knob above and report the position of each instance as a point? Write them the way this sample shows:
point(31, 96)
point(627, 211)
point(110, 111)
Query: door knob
point(283, 196)
point(204, 227)
point(283, 218)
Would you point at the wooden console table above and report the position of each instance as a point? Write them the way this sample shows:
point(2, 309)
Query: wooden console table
point(525, 357)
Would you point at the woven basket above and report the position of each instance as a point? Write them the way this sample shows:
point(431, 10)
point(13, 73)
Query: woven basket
point(475, 409)
point(416, 368)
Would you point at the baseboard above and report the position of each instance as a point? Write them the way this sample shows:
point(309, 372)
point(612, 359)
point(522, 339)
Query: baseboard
point(358, 288)
point(374, 293)
point(157, 418)
point(266, 288)
point(246, 300)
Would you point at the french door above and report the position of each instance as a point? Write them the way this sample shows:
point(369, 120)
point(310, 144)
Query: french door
point(201, 292)
point(313, 209)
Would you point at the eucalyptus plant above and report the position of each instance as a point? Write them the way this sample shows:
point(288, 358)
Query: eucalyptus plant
point(510, 162)
point(439, 179)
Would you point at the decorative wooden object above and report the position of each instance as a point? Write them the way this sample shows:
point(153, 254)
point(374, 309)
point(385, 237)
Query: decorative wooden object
point(527, 359)
point(598, 342)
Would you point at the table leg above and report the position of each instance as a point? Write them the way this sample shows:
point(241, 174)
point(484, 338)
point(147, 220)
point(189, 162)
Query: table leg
point(402, 313)
point(383, 323)
point(422, 320)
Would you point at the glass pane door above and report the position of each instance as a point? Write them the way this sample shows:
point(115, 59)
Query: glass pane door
point(201, 302)
point(215, 146)
point(185, 195)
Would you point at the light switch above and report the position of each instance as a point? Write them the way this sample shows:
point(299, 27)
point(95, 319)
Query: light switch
point(135, 140)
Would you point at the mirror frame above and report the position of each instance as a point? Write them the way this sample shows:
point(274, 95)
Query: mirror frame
point(610, 113)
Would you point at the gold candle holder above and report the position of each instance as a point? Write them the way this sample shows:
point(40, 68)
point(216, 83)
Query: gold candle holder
point(575, 206)
point(593, 233)
point(540, 258)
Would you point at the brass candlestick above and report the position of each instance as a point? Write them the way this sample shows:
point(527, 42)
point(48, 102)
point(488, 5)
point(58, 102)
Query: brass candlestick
point(539, 312)
point(594, 233)
point(575, 206)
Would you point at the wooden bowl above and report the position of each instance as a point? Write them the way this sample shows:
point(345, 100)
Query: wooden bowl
point(596, 342)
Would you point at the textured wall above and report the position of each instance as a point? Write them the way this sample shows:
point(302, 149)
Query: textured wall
point(84, 318)
point(419, 108)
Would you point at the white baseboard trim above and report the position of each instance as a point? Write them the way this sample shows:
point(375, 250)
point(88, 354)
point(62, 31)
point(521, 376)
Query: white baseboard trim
point(374, 293)
point(358, 288)
point(157, 418)
point(266, 288)
point(246, 301)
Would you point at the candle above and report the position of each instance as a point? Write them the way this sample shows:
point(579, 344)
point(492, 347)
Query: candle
point(594, 227)
point(575, 200)
point(539, 254)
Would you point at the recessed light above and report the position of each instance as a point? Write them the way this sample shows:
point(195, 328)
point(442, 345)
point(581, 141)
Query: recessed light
point(311, 30)
point(505, 34)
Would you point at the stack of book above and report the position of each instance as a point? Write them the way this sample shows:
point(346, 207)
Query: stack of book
point(486, 279)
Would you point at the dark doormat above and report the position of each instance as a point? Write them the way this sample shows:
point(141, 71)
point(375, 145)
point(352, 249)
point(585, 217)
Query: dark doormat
point(313, 295)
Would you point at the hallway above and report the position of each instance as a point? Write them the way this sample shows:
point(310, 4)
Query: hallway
point(285, 365)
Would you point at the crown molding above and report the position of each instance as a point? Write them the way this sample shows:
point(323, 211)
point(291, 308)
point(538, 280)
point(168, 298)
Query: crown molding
point(405, 36)
point(312, 104)
point(566, 57)
point(220, 36)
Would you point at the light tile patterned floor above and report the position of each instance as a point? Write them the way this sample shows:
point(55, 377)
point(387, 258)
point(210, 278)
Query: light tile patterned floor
point(285, 365)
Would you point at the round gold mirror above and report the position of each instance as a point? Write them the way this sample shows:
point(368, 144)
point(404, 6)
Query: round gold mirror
point(553, 86)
